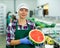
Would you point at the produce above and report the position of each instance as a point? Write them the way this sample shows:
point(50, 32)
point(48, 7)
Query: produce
point(36, 36)
point(49, 40)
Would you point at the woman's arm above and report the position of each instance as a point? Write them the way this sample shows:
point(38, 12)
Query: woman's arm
point(21, 41)
point(10, 36)
point(14, 42)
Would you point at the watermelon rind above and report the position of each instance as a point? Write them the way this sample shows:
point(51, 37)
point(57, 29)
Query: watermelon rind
point(33, 41)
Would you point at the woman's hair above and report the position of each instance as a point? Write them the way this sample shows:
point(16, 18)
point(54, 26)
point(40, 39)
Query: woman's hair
point(7, 14)
point(13, 18)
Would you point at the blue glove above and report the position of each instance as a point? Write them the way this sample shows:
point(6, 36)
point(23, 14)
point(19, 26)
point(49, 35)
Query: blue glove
point(25, 41)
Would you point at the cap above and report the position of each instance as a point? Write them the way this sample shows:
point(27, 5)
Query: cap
point(22, 5)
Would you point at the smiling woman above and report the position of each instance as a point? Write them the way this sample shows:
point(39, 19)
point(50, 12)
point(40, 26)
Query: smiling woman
point(18, 31)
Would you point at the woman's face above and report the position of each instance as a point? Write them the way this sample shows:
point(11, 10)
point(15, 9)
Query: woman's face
point(23, 13)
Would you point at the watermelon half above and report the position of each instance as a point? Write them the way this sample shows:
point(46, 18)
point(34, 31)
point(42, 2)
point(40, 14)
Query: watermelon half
point(36, 36)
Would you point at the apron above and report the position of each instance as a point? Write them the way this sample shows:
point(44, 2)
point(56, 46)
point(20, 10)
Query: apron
point(21, 34)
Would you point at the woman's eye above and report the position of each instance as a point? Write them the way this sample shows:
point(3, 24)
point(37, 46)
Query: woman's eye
point(26, 10)
point(21, 9)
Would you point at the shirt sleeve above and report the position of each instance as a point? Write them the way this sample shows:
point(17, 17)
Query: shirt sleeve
point(32, 25)
point(10, 34)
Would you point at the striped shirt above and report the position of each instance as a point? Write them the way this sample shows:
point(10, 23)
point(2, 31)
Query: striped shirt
point(12, 27)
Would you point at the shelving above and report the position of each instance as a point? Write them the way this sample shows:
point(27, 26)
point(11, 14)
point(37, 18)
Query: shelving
point(2, 18)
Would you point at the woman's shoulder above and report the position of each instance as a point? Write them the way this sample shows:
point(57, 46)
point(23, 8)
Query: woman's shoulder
point(30, 22)
point(13, 23)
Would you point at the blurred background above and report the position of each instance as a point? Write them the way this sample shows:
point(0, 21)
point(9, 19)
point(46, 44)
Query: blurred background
point(47, 11)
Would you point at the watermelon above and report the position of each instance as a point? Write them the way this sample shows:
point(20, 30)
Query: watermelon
point(52, 25)
point(41, 24)
point(31, 19)
point(36, 36)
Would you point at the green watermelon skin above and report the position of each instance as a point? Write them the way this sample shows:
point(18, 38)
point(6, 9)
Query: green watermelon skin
point(44, 25)
point(31, 19)
point(52, 25)
point(41, 24)
point(33, 43)
point(36, 43)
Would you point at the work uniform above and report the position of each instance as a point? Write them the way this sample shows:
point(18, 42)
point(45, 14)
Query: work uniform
point(21, 33)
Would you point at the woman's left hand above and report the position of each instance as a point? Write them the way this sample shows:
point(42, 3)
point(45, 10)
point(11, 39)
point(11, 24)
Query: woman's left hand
point(25, 41)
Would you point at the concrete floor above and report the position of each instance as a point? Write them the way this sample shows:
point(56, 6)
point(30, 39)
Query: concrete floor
point(2, 41)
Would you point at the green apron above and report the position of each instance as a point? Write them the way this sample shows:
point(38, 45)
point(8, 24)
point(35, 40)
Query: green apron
point(21, 34)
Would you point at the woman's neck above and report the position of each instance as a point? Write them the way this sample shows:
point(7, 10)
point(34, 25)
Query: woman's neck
point(22, 21)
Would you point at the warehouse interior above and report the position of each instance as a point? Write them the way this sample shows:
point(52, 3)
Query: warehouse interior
point(46, 11)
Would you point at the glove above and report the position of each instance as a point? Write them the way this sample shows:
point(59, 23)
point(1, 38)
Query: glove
point(25, 41)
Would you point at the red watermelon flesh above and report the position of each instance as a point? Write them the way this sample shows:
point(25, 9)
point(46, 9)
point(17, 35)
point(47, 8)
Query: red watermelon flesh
point(36, 36)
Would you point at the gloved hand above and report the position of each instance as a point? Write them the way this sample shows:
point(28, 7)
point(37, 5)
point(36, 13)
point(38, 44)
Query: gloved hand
point(25, 41)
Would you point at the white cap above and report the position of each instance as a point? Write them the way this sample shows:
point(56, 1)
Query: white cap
point(22, 5)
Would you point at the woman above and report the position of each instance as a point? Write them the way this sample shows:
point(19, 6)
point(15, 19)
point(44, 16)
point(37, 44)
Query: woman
point(18, 31)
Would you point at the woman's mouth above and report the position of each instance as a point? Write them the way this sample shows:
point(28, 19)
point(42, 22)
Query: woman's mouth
point(23, 15)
